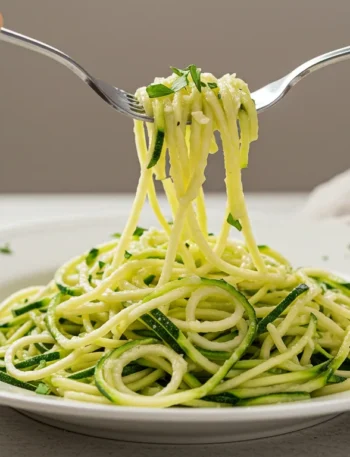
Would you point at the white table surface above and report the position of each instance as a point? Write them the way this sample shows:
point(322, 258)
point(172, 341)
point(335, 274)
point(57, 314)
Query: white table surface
point(23, 437)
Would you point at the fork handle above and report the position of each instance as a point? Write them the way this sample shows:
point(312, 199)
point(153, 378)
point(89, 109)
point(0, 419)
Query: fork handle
point(24, 41)
point(318, 62)
point(42, 48)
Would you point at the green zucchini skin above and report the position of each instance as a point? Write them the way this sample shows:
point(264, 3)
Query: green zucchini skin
point(89, 372)
point(83, 374)
point(48, 357)
point(164, 328)
point(40, 304)
point(176, 340)
point(334, 282)
point(225, 397)
point(4, 377)
point(215, 355)
point(157, 149)
point(284, 397)
point(288, 300)
point(101, 384)
point(65, 290)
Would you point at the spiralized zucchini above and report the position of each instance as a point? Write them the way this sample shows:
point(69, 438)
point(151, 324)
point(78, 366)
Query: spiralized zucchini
point(175, 315)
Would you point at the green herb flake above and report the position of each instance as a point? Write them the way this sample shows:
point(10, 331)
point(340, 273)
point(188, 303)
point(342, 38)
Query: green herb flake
point(116, 235)
point(219, 96)
point(89, 279)
point(212, 85)
point(170, 223)
point(158, 90)
point(211, 234)
point(90, 258)
point(180, 83)
point(139, 231)
point(5, 249)
point(234, 222)
point(195, 73)
point(177, 71)
point(127, 254)
point(101, 264)
point(187, 245)
point(178, 123)
point(149, 279)
point(42, 389)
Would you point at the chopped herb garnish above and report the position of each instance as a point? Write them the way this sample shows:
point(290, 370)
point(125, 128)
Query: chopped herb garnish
point(177, 71)
point(212, 85)
point(5, 249)
point(42, 389)
point(101, 264)
point(180, 82)
point(196, 76)
point(161, 90)
point(234, 222)
point(116, 235)
point(219, 96)
point(149, 279)
point(187, 245)
point(90, 279)
point(139, 231)
point(211, 234)
point(127, 254)
point(170, 223)
point(178, 123)
point(90, 258)
point(26, 300)
point(158, 90)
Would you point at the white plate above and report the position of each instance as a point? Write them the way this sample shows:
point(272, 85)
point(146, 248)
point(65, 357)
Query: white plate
point(40, 248)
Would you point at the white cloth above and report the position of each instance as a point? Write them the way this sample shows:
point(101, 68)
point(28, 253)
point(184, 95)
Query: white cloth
point(330, 199)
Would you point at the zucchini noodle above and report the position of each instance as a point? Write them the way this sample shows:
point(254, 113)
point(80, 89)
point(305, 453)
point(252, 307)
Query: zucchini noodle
point(176, 315)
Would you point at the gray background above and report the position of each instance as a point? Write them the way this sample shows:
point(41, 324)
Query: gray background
point(57, 135)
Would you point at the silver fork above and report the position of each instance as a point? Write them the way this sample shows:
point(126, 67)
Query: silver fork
point(127, 104)
point(120, 100)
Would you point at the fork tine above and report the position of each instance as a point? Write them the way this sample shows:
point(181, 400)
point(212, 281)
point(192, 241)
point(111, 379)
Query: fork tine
point(133, 107)
point(132, 100)
point(131, 97)
point(137, 110)
point(135, 104)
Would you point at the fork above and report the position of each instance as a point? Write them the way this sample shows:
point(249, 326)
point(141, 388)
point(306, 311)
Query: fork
point(126, 103)
point(120, 100)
